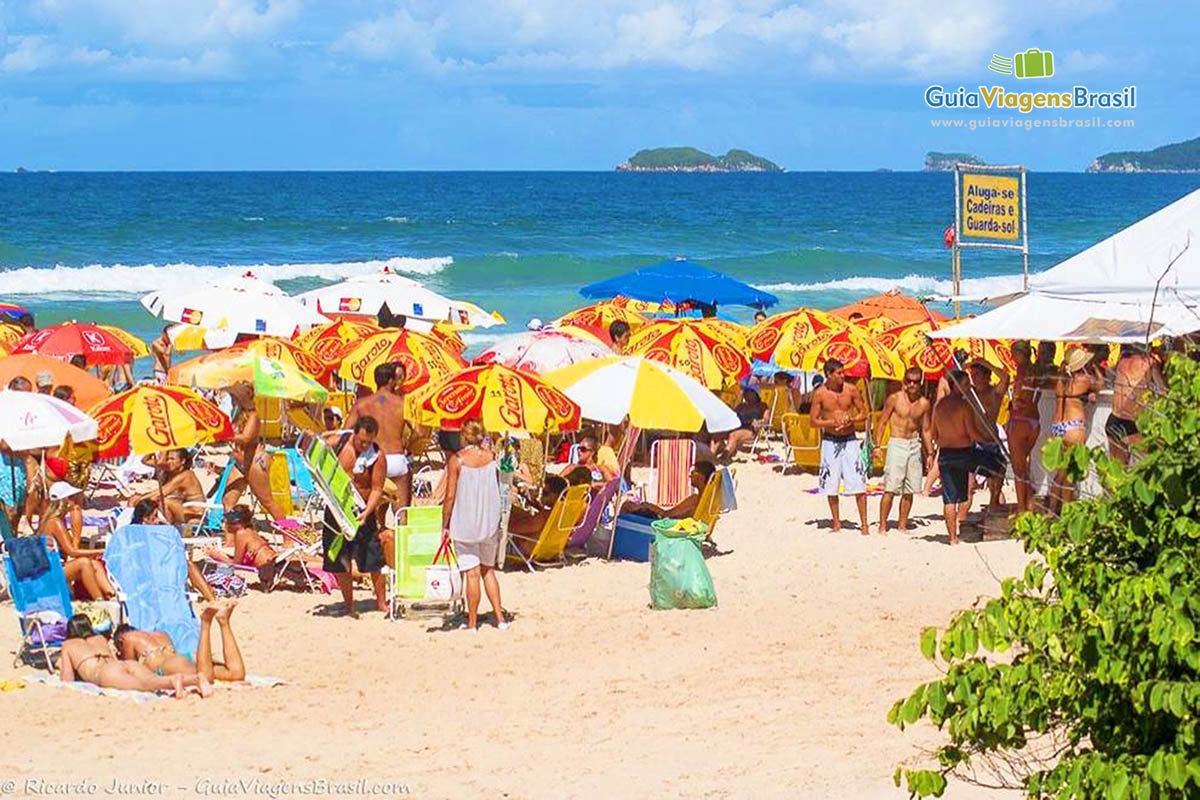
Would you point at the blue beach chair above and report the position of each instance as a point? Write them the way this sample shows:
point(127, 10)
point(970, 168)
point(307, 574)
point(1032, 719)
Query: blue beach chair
point(148, 565)
point(40, 595)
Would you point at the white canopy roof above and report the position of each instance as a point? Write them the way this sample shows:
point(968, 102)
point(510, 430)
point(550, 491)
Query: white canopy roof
point(1143, 280)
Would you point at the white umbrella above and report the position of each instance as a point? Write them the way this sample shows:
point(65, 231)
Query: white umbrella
point(653, 395)
point(243, 305)
point(366, 294)
point(542, 351)
point(29, 421)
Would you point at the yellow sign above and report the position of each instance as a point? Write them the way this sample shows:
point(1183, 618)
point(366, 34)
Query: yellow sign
point(991, 207)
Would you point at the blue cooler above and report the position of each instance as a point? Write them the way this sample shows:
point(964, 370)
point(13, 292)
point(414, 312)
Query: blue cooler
point(632, 538)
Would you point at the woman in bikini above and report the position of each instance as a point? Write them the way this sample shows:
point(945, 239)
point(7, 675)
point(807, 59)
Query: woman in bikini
point(182, 495)
point(1024, 424)
point(81, 566)
point(249, 548)
point(156, 651)
point(87, 656)
point(249, 455)
point(1072, 386)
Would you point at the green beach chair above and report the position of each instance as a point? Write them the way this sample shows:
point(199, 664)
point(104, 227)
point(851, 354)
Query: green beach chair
point(416, 543)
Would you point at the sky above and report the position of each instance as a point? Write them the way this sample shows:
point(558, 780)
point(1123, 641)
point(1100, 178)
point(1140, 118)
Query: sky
point(565, 84)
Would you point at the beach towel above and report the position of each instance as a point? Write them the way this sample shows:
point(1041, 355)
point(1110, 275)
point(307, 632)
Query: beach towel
point(728, 491)
point(149, 565)
point(52, 681)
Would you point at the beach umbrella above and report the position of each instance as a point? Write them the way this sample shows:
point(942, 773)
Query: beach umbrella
point(780, 338)
point(701, 350)
point(367, 294)
point(67, 339)
point(186, 337)
point(274, 378)
point(10, 334)
point(447, 333)
point(542, 351)
point(652, 395)
point(136, 346)
point(679, 281)
point(860, 353)
point(602, 315)
point(997, 352)
point(236, 364)
point(591, 333)
point(504, 400)
point(29, 420)
point(912, 343)
point(643, 306)
point(151, 419)
point(246, 304)
point(88, 388)
point(331, 341)
point(13, 311)
point(893, 304)
point(423, 358)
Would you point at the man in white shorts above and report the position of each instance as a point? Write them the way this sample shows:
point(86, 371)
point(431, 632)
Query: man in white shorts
point(836, 408)
point(909, 413)
point(386, 405)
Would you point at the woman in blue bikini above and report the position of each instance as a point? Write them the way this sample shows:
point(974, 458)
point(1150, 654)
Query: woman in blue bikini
point(1072, 387)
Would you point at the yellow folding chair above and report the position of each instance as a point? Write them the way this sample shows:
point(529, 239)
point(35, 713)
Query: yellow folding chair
point(803, 440)
point(568, 509)
point(708, 508)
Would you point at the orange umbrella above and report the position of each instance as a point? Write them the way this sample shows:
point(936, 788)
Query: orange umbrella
point(501, 398)
point(67, 339)
point(88, 388)
point(151, 419)
point(424, 359)
point(235, 364)
point(706, 352)
point(893, 304)
point(780, 338)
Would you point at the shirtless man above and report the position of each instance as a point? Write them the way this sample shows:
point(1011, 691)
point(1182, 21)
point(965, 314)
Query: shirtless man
point(956, 428)
point(160, 349)
point(386, 405)
point(990, 397)
point(362, 459)
point(1136, 376)
point(88, 656)
point(836, 407)
point(156, 651)
point(908, 411)
point(179, 491)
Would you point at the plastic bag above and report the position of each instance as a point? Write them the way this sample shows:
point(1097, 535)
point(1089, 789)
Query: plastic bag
point(679, 578)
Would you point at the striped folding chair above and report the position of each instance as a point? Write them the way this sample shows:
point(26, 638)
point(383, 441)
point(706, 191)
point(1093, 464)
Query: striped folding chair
point(671, 463)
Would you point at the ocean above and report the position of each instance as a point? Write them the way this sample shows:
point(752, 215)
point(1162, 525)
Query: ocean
point(86, 246)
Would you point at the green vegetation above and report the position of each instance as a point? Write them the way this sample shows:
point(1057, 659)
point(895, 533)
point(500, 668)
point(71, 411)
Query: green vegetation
point(940, 162)
point(1178, 157)
point(690, 159)
point(1081, 679)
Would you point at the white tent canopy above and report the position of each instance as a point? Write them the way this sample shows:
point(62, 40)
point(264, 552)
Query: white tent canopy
point(1143, 281)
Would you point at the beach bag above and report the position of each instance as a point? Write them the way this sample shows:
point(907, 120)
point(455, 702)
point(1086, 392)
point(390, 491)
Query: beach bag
point(679, 578)
point(443, 582)
point(224, 581)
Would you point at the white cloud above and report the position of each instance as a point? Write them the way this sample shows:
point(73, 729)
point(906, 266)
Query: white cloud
point(40, 54)
point(1078, 61)
point(165, 23)
point(34, 53)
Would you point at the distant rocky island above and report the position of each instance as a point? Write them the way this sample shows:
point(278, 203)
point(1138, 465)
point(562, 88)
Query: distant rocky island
point(689, 159)
point(1178, 157)
point(944, 162)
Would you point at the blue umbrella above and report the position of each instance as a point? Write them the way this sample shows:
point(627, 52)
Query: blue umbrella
point(679, 280)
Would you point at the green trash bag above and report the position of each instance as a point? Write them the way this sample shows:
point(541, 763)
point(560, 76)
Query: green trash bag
point(679, 578)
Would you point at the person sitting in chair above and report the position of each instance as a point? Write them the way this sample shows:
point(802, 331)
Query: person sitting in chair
point(700, 475)
point(182, 496)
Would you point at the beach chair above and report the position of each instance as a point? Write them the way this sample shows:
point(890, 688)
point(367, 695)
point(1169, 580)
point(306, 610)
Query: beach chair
point(415, 545)
point(548, 547)
point(634, 532)
point(148, 566)
point(803, 441)
point(671, 465)
point(778, 400)
point(591, 519)
point(213, 519)
point(302, 422)
point(40, 594)
point(300, 544)
point(280, 481)
point(271, 415)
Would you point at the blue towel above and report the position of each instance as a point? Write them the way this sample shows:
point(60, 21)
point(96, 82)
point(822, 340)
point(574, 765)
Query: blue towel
point(150, 566)
point(728, 491)
point(28, 557)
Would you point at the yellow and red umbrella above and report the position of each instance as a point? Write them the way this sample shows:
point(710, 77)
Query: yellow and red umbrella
point(932, 356)
point(781, 338)
point(134, 343)
point(10, 334)
point(644, 306)
point(996, 352)
point(340, 332)
point(448, 334)
point(706, 352)
point(67, 339)
point(151, 419)
point(423, 358)
point(500, 398)
point(236, 364)
point(601, 315)
point(860, 353)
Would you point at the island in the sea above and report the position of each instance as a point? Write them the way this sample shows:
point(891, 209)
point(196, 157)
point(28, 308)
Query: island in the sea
point(689, 159)
point(944, 162)
point(1178, 157)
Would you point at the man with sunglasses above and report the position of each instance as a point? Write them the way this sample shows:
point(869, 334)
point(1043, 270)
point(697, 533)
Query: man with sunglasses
point(909, 413)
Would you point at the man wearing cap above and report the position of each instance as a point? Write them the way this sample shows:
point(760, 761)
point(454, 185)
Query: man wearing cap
point(45, 383)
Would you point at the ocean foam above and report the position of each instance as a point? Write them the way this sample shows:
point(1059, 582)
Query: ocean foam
point(136, 280)
point(396, 219)
point(991, 286)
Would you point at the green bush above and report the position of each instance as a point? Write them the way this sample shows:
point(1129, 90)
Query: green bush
point(1080, 679)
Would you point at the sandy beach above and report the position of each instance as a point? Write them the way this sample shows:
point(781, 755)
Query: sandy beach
point(779, 692)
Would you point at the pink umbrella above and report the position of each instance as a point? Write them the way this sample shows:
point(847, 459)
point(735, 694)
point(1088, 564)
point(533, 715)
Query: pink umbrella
point(542, 351)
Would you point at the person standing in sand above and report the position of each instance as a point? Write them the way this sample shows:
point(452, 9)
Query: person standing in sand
point(956, 428)
point(837, 407)
point(1024, 422)
point(1137, 375)
point(990, 396)
point(909, 412)
point(1073, 390)
point(386, 406)
point(472, 521)
point(249, 455)
point(160, 349)
point(358, 454)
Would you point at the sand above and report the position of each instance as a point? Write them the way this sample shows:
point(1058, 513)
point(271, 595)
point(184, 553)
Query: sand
point(780, 692)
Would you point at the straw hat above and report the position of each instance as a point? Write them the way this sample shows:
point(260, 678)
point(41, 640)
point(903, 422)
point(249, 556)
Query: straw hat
point(1076, 360)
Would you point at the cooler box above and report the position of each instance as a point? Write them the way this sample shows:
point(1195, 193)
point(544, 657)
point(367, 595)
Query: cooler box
point(632, 538)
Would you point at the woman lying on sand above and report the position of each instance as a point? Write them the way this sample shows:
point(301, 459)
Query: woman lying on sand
point(156, 651)
point(87, 656)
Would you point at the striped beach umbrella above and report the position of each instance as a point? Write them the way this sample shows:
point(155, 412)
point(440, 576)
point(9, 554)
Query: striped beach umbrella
point(152, 419)
point(501, 399)
point(423, 358)
point(706, 352)
point(781, 338)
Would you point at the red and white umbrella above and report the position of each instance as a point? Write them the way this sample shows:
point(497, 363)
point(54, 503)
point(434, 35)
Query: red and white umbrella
point(29, 421)
point(542, 351)
point(96, 344)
